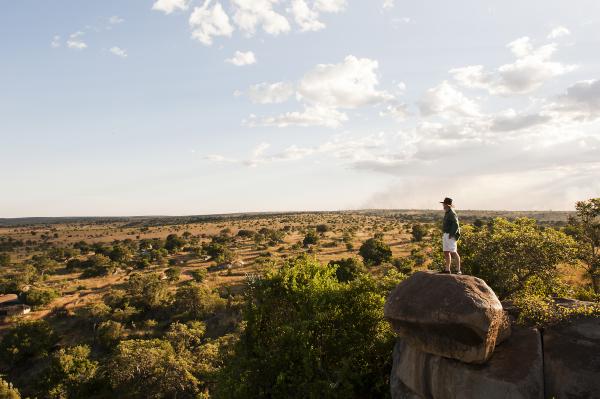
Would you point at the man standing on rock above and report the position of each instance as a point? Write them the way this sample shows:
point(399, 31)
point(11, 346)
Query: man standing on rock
point(451, 233)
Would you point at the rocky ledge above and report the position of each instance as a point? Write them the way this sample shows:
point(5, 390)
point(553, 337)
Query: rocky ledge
point(456, 341)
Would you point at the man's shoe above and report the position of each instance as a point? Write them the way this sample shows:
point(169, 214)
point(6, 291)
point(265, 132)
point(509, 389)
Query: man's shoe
point(459, 272)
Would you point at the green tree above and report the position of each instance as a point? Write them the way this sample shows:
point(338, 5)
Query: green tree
point(348, 269)
point(374, 251)
point(173, 274)
point(27, 339)
point(311, 238)
point(150, 369)
point(38, 296)
point(507, 254)
point(418, 232)
point(197, 301)
point(308, 335)
point(147, 290)
point(585, 228)
point(71, 373)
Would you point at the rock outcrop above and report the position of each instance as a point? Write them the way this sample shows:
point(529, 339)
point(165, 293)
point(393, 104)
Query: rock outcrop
point(572, 360)
point(515, 371)
point(454, 316)
point(456, 342)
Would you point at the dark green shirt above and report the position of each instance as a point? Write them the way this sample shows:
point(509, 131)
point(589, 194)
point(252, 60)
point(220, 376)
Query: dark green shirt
point(451, 225)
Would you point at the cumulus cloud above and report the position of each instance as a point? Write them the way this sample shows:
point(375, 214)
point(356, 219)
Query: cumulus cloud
point(510, 120)
point(119, 52)
point(76, 42)
point(445, 100)
point(530, 70)
point(251, 14)
point(559, 31)
point(397, 111)
point(207, 22)
point(387, 4)
point(307, 18)
point(241, 58)
point(323, 91)
point(168, 6)
point(270, 93)
point(349, 84)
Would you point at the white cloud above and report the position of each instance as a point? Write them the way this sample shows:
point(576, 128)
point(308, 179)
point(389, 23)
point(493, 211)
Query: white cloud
point(580, 102)
point(55, 43)
point(445, 100)
point(333, 6)
point(75, 41)
point(207, 22)
point(398, 111)
point(119, 52)
point(349, 84)
point(115, 19)
point(168, 6)
point(388, 4)
point(323, 91)
point(559, 31)
point(250, 14)
point(242, 58)
point(531, 69)
point(305, 17)
point(270, 93)
point(510, 120)
point(311, 116)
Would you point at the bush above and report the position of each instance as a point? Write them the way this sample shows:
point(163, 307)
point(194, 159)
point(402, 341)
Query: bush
point(173, 274)
point(71, 373)
point(197, 301)
point(311, 238)
point(309, 336)
point(36, 296)
point(7, 391)
point(374, 251)
point(109, 333)
point(348, 269)
point(418, 232)
point(27, 339)
point(506, 254)
point(199, 275)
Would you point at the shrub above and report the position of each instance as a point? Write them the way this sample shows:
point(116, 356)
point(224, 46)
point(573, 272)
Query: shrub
point(348, 269)
point(71, 372)
point(199, 275)
point(374, 251)
point(311, 238)
point(36, 296)
point(27, 339)
point(308, 335)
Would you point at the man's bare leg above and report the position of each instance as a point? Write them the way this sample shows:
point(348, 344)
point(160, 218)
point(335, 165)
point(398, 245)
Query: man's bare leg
point(448, 260)
point(456, 257)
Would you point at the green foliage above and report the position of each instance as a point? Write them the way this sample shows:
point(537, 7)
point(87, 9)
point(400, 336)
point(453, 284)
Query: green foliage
point(174, 243)
point(150, 369)
point(374, 251)
point(97, 265)
point(538, 308)
point(199, 275)
point(109, 333)
point(7, 391)
point(218, 252)
point(71, 373)
point(348, 269)
point(27, 339)
point(308, 335)
point(38, 296)
point(322, 228)
point(4, 259)
point(586, 230)
point(147, 291)
point(404, 265)
point(173, 274)
point(311, 238)
point(185, 337)
point(418, 232)
point(506, 254)
point(197, 301)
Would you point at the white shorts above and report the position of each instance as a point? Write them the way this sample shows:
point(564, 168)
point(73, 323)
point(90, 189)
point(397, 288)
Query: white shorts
point(448, 244)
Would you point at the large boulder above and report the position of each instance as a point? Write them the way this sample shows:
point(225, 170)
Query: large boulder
point(572, 359)
point(515, 371)
point(455, 316)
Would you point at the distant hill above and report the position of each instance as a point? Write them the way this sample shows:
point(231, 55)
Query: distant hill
point(404, 214)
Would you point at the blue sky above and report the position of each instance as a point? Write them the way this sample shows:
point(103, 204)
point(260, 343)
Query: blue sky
point(192, 107)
